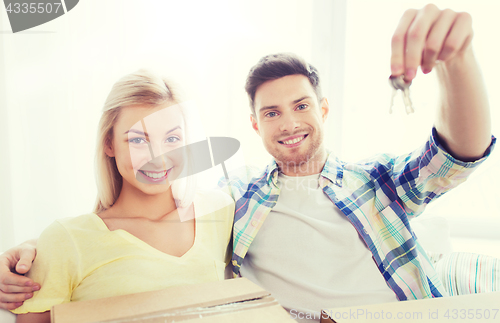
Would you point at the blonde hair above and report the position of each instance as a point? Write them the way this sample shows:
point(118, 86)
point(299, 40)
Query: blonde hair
point(145, 88)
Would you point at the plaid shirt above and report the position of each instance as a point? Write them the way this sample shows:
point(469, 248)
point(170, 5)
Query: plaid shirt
point(378, 196)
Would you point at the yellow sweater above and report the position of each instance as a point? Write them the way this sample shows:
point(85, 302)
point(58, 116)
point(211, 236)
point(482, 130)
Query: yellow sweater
point(80, 259)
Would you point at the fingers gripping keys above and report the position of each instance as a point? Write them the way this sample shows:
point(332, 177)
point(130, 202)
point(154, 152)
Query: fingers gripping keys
point(398, 84)
point(423, 38)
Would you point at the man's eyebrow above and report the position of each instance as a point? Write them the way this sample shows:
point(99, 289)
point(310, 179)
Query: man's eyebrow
point(301, 99)
point(270, 107)
point(146, 134)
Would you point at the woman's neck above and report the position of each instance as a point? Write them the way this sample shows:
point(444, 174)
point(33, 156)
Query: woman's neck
point(133, 203)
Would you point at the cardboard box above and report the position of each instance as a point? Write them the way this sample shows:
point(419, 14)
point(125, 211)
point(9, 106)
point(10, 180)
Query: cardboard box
point(233, 300)
point(466, 308)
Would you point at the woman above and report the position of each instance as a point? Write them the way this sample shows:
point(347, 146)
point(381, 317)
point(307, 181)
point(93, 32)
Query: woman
point(144, 233)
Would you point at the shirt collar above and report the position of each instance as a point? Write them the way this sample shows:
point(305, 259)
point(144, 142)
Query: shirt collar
point(272, 173)
point(332, 171)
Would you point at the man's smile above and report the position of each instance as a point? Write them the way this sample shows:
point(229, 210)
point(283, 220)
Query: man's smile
point(293, 141)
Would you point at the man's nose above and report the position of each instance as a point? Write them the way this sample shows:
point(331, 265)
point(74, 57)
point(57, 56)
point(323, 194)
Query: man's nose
point(289, 122)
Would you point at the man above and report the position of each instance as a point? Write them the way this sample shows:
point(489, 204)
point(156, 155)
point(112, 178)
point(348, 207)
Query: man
point(320, 233)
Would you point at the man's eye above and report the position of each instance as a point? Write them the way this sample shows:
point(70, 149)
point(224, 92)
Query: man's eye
point(172, 139)
point(136, 141)
point(302, 107)
point(271, 114)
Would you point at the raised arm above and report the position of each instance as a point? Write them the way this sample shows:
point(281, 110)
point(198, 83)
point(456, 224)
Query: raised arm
point(15, 288)
point(441, 39)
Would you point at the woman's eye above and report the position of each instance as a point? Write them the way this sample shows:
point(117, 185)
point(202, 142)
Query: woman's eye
point(136, 141)
point(271, 114)
point(172, 139)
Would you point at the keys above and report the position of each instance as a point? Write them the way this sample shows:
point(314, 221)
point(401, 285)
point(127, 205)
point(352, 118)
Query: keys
point(398, 84)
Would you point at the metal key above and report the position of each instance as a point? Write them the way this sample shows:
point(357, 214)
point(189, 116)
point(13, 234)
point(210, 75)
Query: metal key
point(398, 84)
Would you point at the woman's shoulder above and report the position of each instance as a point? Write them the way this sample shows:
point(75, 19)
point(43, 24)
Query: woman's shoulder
point(213, 202)
point(216, 210)
point(72, 232)
point(213, 197)
point(88, 220)
point(60, 233)
point(67, 227)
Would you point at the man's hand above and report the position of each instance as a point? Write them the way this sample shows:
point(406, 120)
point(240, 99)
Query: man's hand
point(15, 288)
point(426, 36)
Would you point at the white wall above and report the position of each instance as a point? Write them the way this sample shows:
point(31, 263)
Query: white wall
point(473, 209)
point(55, 77)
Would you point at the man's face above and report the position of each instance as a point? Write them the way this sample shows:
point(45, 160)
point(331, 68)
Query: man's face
point(290, 120)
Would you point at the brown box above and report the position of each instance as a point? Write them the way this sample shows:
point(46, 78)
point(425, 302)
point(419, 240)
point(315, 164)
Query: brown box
point(233, 300)
point(466, 308)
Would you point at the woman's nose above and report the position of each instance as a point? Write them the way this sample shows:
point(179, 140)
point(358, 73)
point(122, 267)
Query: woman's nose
point(157, 154)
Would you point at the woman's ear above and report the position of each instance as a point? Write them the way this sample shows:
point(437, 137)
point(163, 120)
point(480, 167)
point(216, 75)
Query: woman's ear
point(108, 147)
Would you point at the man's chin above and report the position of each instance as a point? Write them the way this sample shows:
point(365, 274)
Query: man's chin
point(295, 158)
point(291, 160)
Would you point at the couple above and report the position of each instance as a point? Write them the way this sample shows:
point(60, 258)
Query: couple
point(342, 239)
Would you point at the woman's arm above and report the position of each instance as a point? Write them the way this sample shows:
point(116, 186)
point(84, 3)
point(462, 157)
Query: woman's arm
point(34, 318)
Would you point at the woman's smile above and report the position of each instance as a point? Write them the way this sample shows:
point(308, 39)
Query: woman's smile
point(155, 176)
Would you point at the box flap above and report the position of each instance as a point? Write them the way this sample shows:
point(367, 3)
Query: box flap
point(170, 299)
point(254, 310)
point(275, 314)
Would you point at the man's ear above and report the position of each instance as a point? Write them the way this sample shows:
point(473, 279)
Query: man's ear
point(325, 109)
point(108, 148)
point(255, 126)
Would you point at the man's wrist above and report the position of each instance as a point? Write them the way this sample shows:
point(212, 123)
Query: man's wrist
point(464, 59)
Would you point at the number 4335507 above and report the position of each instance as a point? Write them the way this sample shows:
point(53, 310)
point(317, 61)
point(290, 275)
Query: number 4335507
point(33, 7)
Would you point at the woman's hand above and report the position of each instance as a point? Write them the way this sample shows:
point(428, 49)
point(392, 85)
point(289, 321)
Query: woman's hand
point(14, 287)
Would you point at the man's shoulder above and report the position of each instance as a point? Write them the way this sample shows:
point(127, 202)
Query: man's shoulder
point(245, 182)
point(244, 176)
point(374, 164)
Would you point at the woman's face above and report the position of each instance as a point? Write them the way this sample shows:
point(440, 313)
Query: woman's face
point(142, 136)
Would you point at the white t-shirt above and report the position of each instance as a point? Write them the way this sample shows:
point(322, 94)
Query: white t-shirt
point(310, 257)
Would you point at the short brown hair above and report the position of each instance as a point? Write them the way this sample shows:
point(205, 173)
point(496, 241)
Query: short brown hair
point(275, 66)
